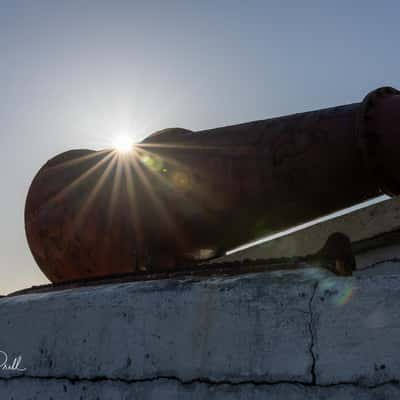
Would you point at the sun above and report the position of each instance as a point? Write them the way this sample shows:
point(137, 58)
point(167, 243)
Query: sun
point(123, 144)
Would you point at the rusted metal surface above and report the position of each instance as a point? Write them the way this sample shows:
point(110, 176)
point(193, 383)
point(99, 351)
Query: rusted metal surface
point(181, 197)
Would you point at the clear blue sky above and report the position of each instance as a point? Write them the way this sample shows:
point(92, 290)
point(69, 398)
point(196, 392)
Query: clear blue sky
point(74, 74)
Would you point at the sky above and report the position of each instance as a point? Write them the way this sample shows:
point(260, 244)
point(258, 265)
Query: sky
point(76, 74)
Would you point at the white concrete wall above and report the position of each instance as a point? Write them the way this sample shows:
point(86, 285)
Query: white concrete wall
point(280, 335)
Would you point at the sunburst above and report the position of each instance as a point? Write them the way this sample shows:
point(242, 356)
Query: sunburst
point(123, 144)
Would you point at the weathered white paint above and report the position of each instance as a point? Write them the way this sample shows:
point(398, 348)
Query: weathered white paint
point(283, 335)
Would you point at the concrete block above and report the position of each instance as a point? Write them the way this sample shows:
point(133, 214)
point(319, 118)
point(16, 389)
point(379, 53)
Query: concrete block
point(302, 334)
point(248, 328)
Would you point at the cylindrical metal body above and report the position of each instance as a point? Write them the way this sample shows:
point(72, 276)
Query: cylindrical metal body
point(182, 196)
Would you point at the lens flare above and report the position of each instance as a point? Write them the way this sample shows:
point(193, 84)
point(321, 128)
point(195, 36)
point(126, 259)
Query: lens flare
point(123, 144)
point(152, 162)
point(345, 295)
point(181, 180)
point(341, 291)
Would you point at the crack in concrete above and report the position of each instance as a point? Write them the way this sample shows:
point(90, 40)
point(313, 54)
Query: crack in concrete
point(205, 381)
point(199, 380)
point(208, 381)
point(311, 330)
point(215, 382)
